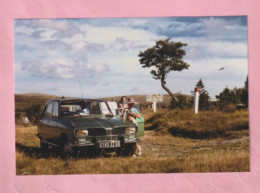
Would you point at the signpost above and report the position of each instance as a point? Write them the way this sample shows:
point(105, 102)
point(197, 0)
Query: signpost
point(196, 100)
point(154, 98)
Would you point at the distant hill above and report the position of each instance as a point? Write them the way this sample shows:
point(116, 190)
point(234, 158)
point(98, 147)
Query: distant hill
point(23, 101)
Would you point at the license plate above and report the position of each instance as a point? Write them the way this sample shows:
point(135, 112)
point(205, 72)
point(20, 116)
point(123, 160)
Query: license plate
point(109, 144)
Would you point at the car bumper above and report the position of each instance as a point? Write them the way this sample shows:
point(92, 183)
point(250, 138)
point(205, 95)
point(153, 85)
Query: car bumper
point(112, 143)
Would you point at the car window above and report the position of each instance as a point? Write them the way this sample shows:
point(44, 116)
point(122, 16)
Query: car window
point(104, 108)
point(55, 111)
point(94, 108)
point(84, 108)
point(48, 111)
point(113, 106)
point(69, 109)
point(75, 108)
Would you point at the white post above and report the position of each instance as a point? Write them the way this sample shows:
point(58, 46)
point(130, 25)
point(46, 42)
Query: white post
point(196, 100)
point(154, 106)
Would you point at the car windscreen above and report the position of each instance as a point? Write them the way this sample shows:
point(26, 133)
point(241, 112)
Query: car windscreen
point(114, 107)
point(84, 108)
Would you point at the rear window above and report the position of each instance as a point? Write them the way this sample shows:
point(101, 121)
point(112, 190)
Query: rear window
point(67, 110)
point(48, 111)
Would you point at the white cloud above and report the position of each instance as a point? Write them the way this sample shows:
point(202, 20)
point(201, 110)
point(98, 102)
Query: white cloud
point(78, 45)
point(63, 50)
point(236, 49)
point(63, 68)
point(54, 45)
point(122, 44)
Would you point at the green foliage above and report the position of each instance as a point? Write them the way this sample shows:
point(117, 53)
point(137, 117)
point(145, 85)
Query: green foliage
point(228, 97)
point(225, 98)
point(17, 116)
point(244, 94)
point(33, 113)
point(233, 97)
point(166, 56)
point(184, 102)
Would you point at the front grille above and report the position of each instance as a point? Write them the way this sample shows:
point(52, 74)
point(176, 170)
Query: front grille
point(118, 131)
point(96, 132)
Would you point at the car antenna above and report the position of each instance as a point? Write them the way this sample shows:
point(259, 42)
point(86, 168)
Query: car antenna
point(81, 89)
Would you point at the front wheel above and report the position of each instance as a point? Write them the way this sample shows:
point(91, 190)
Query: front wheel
point(66, 150)
point(129, 149)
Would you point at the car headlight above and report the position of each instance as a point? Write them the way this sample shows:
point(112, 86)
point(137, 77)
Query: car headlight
point(130, 130)
point(82, 133)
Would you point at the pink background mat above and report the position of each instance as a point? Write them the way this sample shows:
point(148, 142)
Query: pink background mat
point(199, 182)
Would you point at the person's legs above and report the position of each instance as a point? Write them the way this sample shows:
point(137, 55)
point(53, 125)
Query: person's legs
point(138, 147)
point(132, 119)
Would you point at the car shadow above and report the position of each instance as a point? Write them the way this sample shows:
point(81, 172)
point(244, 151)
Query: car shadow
point(38, 153)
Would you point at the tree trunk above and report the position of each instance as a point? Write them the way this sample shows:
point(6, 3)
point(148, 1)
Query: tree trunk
point(167, 89)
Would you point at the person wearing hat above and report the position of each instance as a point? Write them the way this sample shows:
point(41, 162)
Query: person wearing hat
point(131, 114)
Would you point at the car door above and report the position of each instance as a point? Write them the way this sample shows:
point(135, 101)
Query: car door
point(54, 122)
point(48, 123)
point(64, 125)
point(43, 127)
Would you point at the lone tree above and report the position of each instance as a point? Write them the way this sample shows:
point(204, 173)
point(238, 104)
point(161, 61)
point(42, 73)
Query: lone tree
point(165, 56)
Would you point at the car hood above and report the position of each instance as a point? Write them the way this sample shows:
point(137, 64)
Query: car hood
point(98, 122)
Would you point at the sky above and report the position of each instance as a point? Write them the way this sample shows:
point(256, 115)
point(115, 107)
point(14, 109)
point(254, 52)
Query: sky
point(99, 57)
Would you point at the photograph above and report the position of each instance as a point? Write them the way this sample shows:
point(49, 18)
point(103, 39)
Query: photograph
point(131, 95)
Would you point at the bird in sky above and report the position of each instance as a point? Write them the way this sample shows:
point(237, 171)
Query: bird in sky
point(221, 69)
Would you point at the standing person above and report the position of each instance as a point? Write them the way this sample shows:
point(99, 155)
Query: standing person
point(131, 114)
point(123, 104)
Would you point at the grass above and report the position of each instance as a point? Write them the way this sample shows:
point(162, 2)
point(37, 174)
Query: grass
point(206, 124)
point(214, 162)
point(177, 141)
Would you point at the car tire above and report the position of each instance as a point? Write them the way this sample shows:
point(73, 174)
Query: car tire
point(129, 149)
point(44, 147)
point(66, 150)
point(99, 153)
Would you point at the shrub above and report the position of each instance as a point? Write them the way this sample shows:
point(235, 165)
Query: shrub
point(184, 102)
point(33, 113)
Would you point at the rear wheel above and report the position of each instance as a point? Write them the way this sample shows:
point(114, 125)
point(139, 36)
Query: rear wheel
point(44, 146)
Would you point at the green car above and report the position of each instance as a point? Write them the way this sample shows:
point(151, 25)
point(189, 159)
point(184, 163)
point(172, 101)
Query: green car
point(81, 124)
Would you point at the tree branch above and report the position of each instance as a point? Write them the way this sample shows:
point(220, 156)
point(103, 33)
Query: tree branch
point(163, 83)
